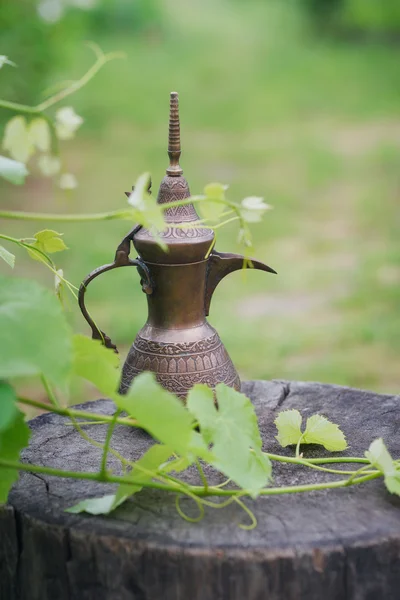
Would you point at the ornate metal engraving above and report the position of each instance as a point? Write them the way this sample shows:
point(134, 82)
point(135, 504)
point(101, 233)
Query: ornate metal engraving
point(179, 366)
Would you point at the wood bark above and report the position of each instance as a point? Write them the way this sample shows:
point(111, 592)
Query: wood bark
point(329, 545)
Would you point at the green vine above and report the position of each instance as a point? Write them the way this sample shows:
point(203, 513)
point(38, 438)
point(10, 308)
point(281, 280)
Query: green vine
point(224, 435)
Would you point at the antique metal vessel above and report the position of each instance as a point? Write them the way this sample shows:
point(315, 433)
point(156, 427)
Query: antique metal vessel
point(176, 343)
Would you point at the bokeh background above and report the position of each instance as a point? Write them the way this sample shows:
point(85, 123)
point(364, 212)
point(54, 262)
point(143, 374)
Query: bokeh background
point(295, 101)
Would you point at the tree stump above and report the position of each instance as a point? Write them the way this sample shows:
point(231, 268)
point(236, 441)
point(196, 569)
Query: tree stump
point(341, 544)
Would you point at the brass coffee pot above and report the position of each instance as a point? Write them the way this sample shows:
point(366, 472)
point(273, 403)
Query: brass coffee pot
point(176, 343)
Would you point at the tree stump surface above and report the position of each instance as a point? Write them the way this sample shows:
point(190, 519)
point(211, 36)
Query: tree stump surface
point(341, 544)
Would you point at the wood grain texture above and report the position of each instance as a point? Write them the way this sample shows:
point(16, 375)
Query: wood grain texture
point(329, 545)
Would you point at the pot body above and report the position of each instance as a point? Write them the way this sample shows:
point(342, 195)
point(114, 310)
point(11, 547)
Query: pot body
point(177, 343)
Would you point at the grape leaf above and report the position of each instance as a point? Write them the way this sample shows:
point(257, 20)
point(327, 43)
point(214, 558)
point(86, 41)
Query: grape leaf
point(321, 431)
point(7, 256)
point(392, 482)
point(209, 209)
point(288, 423)
point(146, 210)
point(96, 363)
point(233, 431)
point(144, 470)
point(35, 336)
point(253, 208)
point(8, 405)
point(39, 134)
point(159, 412)
point(177, 465)
point(17, 140)
point(237, 441)
point(379, 456)
point(13, 439)
point(200, 402)
point(48, 241)
point(381, 459)
point(12, 170)
point(198, 448)
point(95, 506)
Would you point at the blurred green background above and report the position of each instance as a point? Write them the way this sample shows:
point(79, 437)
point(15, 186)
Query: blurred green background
point(298, 102)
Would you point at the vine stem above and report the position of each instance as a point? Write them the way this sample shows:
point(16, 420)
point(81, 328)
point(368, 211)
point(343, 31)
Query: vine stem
point(298, 446)
point(43, 258)
point(77, 414)
point(319, 461)
point(49, 392)
point(101, 60)
point(110, 430)
point(202, 474)
point(195, 490)
point(103, 216)
point(20, 215)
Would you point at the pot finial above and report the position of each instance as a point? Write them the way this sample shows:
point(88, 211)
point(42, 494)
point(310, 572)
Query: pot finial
point(174, 137)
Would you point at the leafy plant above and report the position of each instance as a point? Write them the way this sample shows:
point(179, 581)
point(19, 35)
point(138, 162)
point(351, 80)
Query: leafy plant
point(227, 437)
point(220, 431)
point(34, 130)
point(318, 431)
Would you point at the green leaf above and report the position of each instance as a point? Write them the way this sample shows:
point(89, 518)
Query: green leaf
point(379, 456)
point(13, 171)
point(146, 210)
point(95, 506)
point(159, 412)
point(144, 470)
point(39, 134)
point(7, 256)
point(8, 405)
point(97, 364)
point(201, 403)
point(233, 431)
point(48, 241)
point(208, 208)
point(17, 140)
point(178, 465)
point(253, 208)
point(288, 423)
point(318, 431)
point(35, 336)
point(237, 441)
point(321, 431)
point(198, 448)
point(381, 459)
point(392, 483)
point(12, 440)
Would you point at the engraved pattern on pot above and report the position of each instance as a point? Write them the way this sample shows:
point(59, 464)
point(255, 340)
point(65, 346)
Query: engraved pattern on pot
point(205, 345)
point(179, 366)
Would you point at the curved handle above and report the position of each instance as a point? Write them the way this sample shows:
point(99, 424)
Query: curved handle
point(121, 260)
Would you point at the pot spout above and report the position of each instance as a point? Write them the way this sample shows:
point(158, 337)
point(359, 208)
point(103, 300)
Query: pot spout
point(221, 264)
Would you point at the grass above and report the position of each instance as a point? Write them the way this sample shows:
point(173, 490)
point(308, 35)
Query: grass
point(312, 126)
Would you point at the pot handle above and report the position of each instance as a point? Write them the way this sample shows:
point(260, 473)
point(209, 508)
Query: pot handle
point(121, 260)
